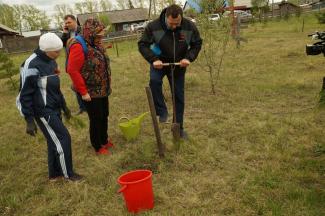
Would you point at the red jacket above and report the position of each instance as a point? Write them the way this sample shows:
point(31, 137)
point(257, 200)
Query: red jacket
point(76, 60)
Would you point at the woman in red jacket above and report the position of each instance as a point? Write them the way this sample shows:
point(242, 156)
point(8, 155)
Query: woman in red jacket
point(89, 69)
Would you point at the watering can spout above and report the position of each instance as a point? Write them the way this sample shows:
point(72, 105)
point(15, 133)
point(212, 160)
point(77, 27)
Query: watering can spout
point(141, 117)
point(131, 128)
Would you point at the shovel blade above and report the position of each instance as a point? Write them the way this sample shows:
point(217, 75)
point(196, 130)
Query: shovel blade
point(176, 130)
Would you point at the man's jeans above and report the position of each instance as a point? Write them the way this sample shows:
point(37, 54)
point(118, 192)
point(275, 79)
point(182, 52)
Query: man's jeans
point(156, 80)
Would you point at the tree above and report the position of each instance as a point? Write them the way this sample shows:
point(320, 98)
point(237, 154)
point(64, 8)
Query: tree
point(159, 5)
point(105, 5)
point(8, 70)
point(60, 12)
point(130, 4)
point(211, 6)
point(105, 20)
point(18, 13)
point(320, 17)
point(215, 35)
point(44, 21)
point(141, 3)
point(91, 6)
point(79, 8)
point(87, 6)
point(8, 16)
point(190, 13)
point(23, 17)
point(122, 4)
point(33, 18)
point(260, 7)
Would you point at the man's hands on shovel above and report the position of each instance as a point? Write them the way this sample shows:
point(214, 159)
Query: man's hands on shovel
point(159, 64)
point(184, 63)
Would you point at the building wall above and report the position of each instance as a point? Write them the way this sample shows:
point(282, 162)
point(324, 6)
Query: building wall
point(19, 44)
point(286, 9)
point(6, 34)
point(119, 26)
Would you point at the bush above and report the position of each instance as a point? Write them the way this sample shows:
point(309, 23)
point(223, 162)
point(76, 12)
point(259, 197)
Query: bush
point(321, 17)
point(8, 70)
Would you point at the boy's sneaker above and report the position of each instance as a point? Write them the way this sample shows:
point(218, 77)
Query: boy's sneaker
point(55, 179)
point(75, 177)
point(102, 151)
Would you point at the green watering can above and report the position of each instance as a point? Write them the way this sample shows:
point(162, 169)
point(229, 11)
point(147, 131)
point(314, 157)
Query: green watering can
point(131, 128)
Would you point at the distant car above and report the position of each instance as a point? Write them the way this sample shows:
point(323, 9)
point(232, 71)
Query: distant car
point(141, 26)
point(191, 19)
point(214, 17)
point(244, 15)
point(133, 27)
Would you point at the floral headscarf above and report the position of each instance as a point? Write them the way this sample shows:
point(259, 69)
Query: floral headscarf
point(90, 29)
point(96, 70)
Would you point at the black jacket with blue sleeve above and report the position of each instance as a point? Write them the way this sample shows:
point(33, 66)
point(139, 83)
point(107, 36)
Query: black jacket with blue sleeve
point(40, 93)
point(157, 36)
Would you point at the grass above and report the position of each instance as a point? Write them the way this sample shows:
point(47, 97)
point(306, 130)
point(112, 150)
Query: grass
point(256, 148)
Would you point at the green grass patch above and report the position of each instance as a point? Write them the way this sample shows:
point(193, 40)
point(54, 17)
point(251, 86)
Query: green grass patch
point(256, 148)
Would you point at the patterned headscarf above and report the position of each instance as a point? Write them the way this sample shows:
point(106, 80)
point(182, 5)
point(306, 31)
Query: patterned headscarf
point(90, 29)
point(96, 70)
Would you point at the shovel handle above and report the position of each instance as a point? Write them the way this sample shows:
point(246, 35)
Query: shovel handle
point(171, 64)
point(122, 189)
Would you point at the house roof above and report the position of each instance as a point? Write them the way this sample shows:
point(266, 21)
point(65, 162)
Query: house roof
point(118, 16)
point(246, 3)
point(287, 3)
point(32, 33)
point(195, 4)
point(7, 29)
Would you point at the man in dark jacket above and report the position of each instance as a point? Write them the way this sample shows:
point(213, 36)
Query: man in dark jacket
point(70, 30)
point(170, 39)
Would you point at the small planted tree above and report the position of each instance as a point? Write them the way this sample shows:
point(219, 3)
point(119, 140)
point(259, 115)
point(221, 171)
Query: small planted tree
point(215, 35)
point(8, 70)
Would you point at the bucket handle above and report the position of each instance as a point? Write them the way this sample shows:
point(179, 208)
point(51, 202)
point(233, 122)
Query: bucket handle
point(122, 189)
point(126, 118)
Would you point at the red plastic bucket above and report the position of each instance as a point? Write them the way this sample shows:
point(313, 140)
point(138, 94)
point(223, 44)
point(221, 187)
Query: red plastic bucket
point(136, 187)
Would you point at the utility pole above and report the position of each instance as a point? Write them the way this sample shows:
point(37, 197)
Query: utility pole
point(272, 8)
point(232, 12)
point(154, 8)
point(149, 10)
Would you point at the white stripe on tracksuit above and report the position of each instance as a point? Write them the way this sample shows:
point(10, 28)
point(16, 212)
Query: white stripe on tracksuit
point(24, 73)
point(58, 146)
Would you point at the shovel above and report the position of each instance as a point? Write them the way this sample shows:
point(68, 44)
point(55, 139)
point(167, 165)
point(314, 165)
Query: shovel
point(176, 127)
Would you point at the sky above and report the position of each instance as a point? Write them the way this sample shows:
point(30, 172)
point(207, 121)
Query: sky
point(46, 5)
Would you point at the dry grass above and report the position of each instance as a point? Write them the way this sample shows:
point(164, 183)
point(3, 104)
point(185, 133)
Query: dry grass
point(256, 148)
